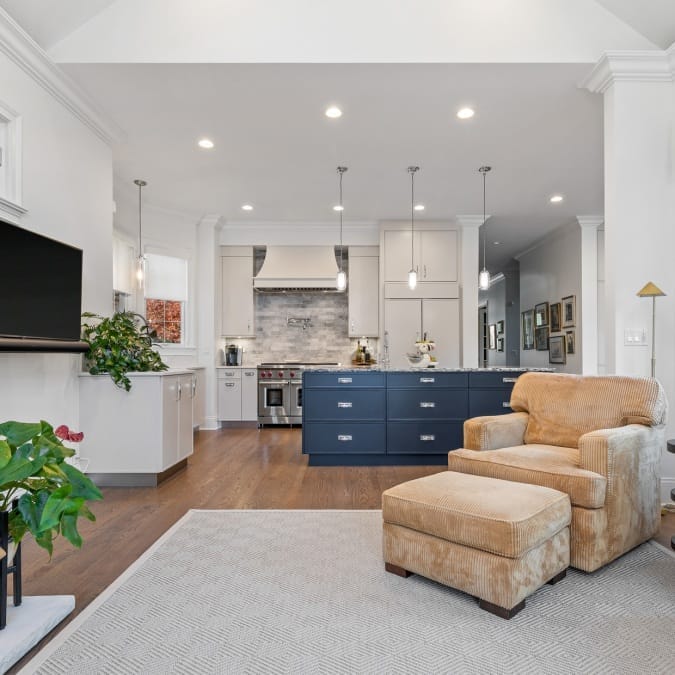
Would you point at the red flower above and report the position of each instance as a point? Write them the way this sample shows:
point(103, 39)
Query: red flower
point(65, 434)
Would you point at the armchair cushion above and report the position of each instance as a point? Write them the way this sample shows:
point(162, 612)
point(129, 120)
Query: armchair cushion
point(564, 407)
point(537, 464)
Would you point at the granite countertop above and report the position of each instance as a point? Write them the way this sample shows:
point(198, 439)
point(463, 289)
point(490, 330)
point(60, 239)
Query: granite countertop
point(412, 369)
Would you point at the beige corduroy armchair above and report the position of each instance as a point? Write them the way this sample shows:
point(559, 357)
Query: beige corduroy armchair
point(597, 438)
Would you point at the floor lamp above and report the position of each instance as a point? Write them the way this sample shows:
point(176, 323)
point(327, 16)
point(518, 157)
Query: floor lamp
point(653, 292)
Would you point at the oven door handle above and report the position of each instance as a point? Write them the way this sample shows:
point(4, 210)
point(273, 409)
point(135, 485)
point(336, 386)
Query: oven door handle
point(271, 384)
point(296, 381)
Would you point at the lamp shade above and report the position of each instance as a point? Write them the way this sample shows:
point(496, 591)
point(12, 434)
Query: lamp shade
point(650, 290)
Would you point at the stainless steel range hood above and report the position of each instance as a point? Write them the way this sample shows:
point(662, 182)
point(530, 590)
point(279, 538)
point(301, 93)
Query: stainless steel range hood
point(297, 268)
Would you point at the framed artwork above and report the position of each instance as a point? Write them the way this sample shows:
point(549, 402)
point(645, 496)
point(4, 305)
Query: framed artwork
point(541, 339)
point(555, 317)
point(527, 328)
point(500, 328)
point(569, 341)
point(556, 349)
point(569, 311)
point(492, 331)
point(500, 344)
point(541, 315)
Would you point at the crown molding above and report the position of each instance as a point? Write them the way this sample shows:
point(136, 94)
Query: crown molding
point(630, 66)
point(591, 222)
point(309, 225)
point(470, 221)
point(22, 50)
point(11, 211)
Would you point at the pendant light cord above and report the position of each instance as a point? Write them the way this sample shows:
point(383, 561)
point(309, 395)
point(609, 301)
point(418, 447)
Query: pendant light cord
point(484, 232)
point(341, 170)
point(412, 170)
point(140, 223)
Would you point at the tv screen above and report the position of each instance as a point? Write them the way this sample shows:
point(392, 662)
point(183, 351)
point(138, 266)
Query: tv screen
point(40, 286)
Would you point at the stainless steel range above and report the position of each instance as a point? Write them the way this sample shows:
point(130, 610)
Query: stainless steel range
point(280, 392)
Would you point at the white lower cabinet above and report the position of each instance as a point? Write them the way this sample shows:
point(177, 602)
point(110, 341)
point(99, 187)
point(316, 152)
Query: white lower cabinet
point(237, 394)
point(131, 438)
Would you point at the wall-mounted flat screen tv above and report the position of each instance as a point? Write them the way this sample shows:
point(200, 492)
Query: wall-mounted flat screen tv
point(40, 286)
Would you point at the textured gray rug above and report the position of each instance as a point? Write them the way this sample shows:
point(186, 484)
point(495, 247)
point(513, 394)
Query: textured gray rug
point(306, 592)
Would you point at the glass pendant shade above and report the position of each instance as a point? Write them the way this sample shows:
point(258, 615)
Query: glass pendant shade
point(341, 280)
point(412, 279)
point(140, 270)
point(484, 280)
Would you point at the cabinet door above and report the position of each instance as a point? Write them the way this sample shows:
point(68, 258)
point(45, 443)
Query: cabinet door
point(186, 396)
point(237, 295)
point(364, 295)
point(170, 420)
point(397, 254)
point(438, 253)
point(440, 321)
point(249, 395)
point(229, 400)
point(402, 323)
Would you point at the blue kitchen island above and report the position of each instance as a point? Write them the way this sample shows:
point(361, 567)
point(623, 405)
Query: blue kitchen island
point(359, 417)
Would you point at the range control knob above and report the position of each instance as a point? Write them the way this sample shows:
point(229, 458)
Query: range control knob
point(269, 373)
point(292, 373)
point(280, 373)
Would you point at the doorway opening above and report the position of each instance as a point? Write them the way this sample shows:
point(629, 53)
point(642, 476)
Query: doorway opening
point(482, 337)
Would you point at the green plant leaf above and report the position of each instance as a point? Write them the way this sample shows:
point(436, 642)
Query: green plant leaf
point(18, 433)
point(82, 486)
point(5, 454)
point(31, 507)
point(17, 526)
point(20, 466)
point(55, 507)
point(45, 539)
point(86, 513)
point(69, 530)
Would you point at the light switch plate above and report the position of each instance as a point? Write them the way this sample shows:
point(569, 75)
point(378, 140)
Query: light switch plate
point(635, 338)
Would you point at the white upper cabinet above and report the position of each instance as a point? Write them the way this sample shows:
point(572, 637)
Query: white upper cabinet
point(363, 289)
point(434, 254)
point(237, 295)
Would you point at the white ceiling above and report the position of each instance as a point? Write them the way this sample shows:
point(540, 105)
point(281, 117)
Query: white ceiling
point(655, 19)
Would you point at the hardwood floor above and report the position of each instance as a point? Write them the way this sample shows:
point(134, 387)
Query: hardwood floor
point(231, 469)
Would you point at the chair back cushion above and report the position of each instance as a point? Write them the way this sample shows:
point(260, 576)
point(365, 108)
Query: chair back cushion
point(563, 407)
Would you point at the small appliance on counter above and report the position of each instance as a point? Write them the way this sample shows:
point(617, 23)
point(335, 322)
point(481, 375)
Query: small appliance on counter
point(233, 355)
point(421, 357)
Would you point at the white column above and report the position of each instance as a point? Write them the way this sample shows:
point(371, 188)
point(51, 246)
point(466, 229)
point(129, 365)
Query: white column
point(469, 266)
point(639, 147)
point(589, 293)
point(207, 278)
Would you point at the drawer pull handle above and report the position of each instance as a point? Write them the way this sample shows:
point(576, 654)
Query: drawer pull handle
point(506, 404)
point(344, 404)
point(229, 384)
point(427, 404)
point(344, 437)
point(229, 374)
point(249, 374)
point(509, 379)
point(344, 380)
point(427, 437)
point(427, 380)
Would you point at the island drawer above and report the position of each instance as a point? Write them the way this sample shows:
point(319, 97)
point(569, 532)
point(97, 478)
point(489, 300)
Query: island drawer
point(419, 404)
point(424, 438)
point(489, 402)
point(345, 404)
point(426, 379)
point(342, 380)
point(336, 437)
point(500, 380)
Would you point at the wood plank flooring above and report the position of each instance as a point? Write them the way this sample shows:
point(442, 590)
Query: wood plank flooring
point(231, 469)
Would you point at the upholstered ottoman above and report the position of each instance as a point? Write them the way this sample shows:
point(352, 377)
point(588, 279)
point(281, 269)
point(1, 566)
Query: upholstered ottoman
point(497, 540)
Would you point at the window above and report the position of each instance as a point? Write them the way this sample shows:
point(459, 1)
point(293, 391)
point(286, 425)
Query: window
point(166, 296)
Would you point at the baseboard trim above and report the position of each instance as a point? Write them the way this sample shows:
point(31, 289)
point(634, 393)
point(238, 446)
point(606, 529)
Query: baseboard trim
point(136, 479)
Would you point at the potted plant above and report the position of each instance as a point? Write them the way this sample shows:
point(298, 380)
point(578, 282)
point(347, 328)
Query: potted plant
point(40, 492)
point(118, 345)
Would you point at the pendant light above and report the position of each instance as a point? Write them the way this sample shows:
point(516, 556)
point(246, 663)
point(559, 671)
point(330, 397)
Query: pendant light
point(412, 275)
point(484, 276)
point(341, 279)
point(140, 261)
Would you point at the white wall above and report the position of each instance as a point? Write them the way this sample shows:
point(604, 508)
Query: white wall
point(67, 189)
point(548, 273)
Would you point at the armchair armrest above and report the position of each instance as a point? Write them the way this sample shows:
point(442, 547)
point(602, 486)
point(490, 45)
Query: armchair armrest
point(607, 451)
point(496, 431)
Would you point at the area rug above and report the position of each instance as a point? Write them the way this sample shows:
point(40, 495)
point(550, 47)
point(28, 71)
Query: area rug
point(306, 592)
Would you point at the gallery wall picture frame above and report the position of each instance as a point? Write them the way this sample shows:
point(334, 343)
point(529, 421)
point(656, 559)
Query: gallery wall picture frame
point(569, 341)
point(500, 328)
point(569, 311)
point(527, 329)
point(541, 315)
point(541, 339)
point(555, 309)
point(556, 349)
point(492, 332)
point(500, 344)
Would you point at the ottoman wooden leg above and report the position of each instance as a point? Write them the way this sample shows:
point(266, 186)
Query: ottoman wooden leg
point(395, 569)
point(557, 577)
point(501, 612)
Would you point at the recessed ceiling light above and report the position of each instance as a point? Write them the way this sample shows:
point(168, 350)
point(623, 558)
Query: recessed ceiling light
point(419, 207)
point(333, 112)
point(556, 199)
point(496, 243)
point(338, 207)
point(205, 143)
point(465, 113)
point(246, 207)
